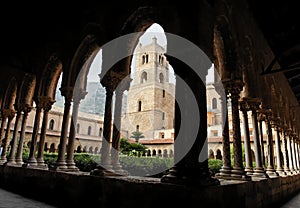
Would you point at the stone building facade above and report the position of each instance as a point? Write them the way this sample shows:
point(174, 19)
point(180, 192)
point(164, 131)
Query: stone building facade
point(150, 98)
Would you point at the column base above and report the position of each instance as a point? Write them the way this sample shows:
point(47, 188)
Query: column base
point(19, 162)
point(59, 166)
point(12, 163)
point(249, 171)
point(259, 173)
point(35, 166)
point(2, 161)
point(239, 174)
point(117, 168)
point(100, 171)
point(272, 173)
point(192, 177)
point(71, 166)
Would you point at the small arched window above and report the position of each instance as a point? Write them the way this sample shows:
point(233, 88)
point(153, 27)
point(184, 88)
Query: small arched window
point(51, 124)
point(89, 130)
point(144, 77)
point(161, 78)
point(77, 128)
point(140, 106)
point(214, 103)
point(100, 132)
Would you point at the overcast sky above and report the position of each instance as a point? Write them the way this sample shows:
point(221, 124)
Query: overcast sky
point(145, 39)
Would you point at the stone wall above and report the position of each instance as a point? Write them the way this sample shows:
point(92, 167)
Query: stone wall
point(82, 190)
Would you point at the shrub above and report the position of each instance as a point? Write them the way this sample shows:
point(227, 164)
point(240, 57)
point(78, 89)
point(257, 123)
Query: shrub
point(214, 165)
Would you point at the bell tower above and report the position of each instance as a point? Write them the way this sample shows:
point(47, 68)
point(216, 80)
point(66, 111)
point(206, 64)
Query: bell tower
point(151, 96)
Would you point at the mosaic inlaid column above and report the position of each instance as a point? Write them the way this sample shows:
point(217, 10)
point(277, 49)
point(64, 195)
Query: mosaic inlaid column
point(258, 170)
point(225, 171)
point(78, 96)
point(248, 157)
point(9, 114)
point(234, 89)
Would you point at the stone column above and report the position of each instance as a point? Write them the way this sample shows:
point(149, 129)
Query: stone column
point(78, 96)
point(285, 152)
point(117, 168)
point(290, 135)
point(261, 136)
point(31, 162)
point(234, 89)
point(225, 171)
point(190, 146)
point(3, 124)
point(270, 169)
point(10, 114)
point(258, 170)
point(248, 157)
point(279, 168)
point(47, 105)
point(11, 156)
point(61, 164)
point(105, 167)
point(297, 152)
point(19, 159)
point(289, 150)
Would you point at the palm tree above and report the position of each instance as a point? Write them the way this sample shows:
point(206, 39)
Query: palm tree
point(137, 135)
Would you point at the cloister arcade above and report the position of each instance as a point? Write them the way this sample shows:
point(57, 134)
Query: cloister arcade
point(257, 71)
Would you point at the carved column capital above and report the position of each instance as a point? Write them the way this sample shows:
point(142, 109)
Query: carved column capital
point(79, 94)
point(45, 102)
point(233, 87)
point(254, 103)
point(8, 113)
point(112, 79)
point(67, 92)
point(244, 107)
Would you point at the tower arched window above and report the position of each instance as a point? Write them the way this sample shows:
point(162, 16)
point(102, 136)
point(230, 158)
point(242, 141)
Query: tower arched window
point(144, 77)
point(214, 103)
point(77, 128)
point(161, 78)
point(100, 132)
point(161, 59)
point(89, 130)
point(51, 124)
point(145, 58)
point(140, 105)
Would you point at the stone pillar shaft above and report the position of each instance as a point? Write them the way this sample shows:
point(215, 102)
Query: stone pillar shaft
point(116, 133)
point(61, 162)
point(11, 157)
point(80, 94)
point(238, 169)
point(35, 131)
point(248, 156)
point(226, 168)
point(270, 169)
point(40, 156)
point(279, 168)
point(19, 159)
point(7, 135)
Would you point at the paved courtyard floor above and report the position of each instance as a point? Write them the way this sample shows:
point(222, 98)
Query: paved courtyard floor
point(12, 200)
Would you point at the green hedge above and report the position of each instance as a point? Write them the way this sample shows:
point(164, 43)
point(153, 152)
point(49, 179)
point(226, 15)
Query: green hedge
point(138, 166)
